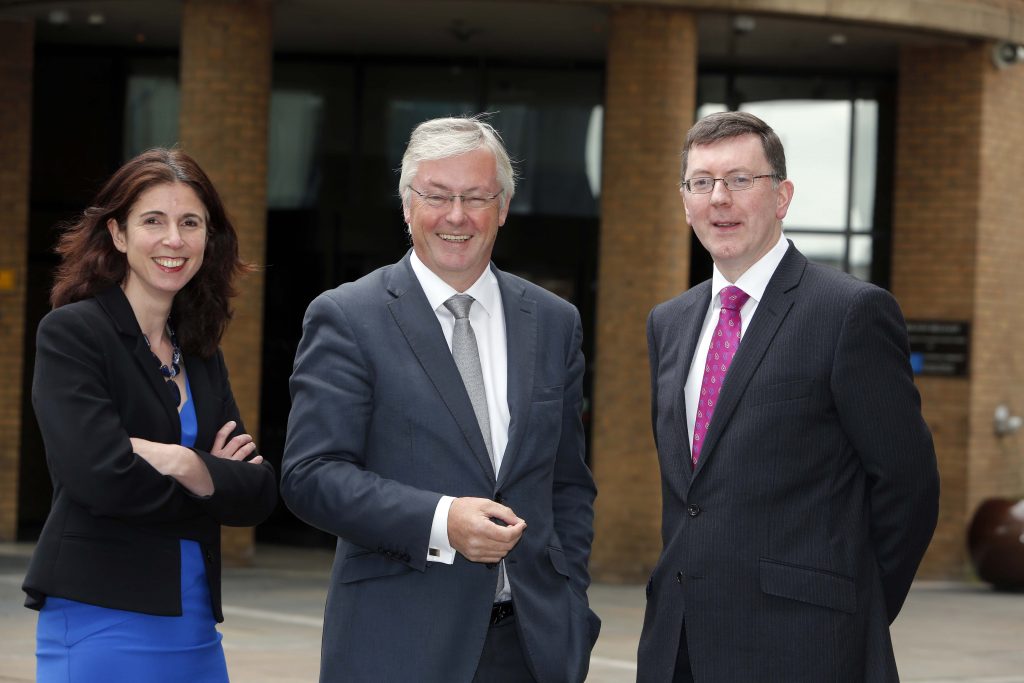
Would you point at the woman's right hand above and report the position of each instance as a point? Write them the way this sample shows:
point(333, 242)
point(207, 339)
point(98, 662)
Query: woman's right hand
point(238, 448)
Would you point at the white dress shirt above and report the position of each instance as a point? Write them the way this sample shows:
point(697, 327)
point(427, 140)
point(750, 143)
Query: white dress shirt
point(487, 317)
point(753, 282)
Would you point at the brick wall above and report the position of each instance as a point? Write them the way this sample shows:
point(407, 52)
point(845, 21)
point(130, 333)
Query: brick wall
point(16, 45)
point(226, 53)
point(644, 259)
point(996, 465)
point(957, 254)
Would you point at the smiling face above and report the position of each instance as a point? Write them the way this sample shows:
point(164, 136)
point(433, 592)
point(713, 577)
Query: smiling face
point(164, 239)
point(455, 243)
point(738, 228)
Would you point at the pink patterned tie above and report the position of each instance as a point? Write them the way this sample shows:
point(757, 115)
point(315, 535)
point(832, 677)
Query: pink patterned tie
point(724, 342)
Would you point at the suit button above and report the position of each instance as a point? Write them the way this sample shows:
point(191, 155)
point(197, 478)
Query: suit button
point(679, 577)
point(693, 510)
point(498, 498)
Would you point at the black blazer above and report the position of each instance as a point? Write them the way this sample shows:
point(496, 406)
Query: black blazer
point(792, 545)
point(112, 536)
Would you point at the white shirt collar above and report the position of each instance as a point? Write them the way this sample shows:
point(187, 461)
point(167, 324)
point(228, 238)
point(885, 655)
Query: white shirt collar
point(485, 290)
point(755, 280)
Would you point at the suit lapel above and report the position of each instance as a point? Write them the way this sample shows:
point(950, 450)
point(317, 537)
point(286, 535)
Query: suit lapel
point(422, 331)
point(771, 311)
point(521, 345)
point(116, 305)
point(687, 325)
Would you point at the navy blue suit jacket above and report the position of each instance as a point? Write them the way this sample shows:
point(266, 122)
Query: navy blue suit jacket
point(381, 426)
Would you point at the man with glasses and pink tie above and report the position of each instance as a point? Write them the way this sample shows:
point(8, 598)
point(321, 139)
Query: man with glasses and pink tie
point(799, 480)
point(435, 429)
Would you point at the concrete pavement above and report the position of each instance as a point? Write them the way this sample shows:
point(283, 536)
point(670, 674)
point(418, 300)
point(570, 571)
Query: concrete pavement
point(947, 632)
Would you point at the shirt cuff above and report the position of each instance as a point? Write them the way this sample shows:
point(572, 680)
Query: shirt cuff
point(440, 550)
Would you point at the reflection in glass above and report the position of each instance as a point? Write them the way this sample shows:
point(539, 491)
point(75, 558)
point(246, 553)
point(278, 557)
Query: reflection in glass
point(710, 108)
point(860, 256)
point(552, 124)
point(592, 154)
point(548, 142)
point(293, 178)
point(865, 160)
point(151, 113)
point(827, 249)
point(403, 115)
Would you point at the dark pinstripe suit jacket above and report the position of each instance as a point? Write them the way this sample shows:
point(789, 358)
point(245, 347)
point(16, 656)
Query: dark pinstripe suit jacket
point(792, 545)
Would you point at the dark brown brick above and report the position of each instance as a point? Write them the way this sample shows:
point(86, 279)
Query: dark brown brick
point(16, 45)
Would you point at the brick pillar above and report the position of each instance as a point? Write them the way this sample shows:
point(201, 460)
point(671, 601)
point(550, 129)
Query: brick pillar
point(226, 54)
point(957, 249)
point(644, 259)
point(16, 44)
point(996, 464)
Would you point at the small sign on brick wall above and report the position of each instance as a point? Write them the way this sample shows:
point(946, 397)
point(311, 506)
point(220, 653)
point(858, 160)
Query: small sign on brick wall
point(939, 347)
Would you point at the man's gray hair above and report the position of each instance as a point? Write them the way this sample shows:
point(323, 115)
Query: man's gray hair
point(449, 137)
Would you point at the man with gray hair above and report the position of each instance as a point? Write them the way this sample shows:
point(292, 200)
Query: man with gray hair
point(435, 429)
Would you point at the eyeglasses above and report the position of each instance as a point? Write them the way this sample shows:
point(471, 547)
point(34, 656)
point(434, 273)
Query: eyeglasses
point(734, 183)
point(471, 202)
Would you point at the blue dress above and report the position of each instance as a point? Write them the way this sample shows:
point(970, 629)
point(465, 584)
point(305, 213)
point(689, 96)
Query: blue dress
point(81, 643)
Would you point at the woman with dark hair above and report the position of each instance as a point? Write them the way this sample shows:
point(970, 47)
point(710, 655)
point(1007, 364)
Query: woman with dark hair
point(144, 442)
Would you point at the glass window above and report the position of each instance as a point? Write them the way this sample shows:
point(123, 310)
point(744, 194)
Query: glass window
point(592, 154)
point(551, 123)
point(861, 247)
point(865, 160)
point(404, 115)
point(150, 112)
point(400, 97)
point(152, 105)
point(827, 249)
point(816, 136)
point(293, 177)
point(549, 147)
point(710, 108)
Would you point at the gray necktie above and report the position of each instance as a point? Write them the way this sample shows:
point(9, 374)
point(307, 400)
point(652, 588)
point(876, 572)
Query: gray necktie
point(467, 360)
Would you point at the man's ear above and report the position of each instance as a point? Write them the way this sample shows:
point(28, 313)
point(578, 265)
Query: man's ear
point(686, 209)
point(117, 235)
point(785, 196)
point(503, 211)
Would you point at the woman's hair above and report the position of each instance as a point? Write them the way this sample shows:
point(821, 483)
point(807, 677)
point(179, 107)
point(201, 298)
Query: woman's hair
point(91, 263)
